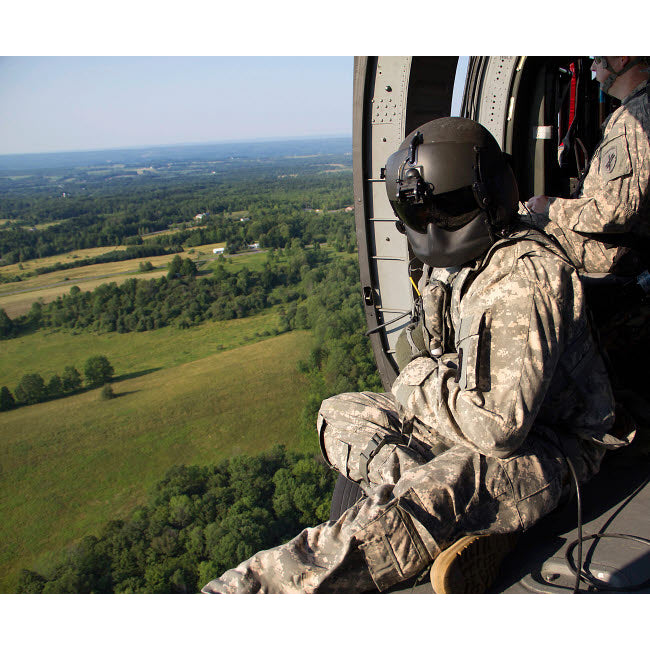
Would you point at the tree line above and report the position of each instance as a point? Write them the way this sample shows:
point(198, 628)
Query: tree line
point(179, 299)
point(32, 388)
point(130, 253)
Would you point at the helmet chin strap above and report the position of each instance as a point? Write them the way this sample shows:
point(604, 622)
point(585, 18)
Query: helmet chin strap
point(613, 75)
point(481, 194)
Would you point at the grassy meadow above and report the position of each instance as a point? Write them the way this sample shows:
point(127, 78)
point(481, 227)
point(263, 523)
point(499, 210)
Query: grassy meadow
point(191, 396)
point(48, 352)
point(39, 263)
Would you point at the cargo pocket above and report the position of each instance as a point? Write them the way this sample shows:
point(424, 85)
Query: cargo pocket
point(537, 485)
point(392, 547)
point(339, 457)
point(473, 359)
point(411, 377)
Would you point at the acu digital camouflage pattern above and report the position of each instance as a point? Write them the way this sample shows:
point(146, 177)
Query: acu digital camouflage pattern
point(614, 197)
point(520, 387)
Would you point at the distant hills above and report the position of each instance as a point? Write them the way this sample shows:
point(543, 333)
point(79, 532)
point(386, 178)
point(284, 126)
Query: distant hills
point(178, 153)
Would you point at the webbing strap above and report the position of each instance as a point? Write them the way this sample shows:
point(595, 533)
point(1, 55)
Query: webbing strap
point(372, 449)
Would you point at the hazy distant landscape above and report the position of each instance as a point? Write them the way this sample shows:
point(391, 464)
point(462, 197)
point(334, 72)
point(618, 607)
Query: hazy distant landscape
point(188, 153)
point(212, 358)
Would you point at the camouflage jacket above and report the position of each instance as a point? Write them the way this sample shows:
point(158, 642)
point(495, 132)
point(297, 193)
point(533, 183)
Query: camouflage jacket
point(614, 197)
point(524, 355)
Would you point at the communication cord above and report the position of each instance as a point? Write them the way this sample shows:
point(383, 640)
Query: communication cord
point(580, 573)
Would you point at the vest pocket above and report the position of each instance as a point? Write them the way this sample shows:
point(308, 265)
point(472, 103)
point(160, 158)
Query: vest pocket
point(470, 358)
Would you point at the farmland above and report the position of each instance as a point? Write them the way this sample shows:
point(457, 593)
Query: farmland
point(71, 464)
point(226, 355)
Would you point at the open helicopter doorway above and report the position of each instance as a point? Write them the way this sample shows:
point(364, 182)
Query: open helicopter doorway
point(546, 113)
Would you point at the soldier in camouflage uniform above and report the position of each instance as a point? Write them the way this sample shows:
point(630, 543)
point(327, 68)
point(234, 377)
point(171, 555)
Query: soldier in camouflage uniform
point(613, 201)
point(606, 227)
point(500, 391)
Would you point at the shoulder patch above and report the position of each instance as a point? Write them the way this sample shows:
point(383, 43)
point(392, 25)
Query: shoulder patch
point(614, 159)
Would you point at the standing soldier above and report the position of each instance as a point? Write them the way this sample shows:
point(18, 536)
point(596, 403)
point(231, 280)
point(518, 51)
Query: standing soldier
point(502, 394)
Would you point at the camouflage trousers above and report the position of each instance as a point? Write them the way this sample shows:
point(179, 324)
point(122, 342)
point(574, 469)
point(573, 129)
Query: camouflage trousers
point(420, 499)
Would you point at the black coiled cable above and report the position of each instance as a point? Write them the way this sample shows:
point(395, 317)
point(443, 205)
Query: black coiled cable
point(578, 570)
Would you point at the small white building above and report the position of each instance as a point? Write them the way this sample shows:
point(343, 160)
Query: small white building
point(254, 246)
point(218, 251)
point(199, 217)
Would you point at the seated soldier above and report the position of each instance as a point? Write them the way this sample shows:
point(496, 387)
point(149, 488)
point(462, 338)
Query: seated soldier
point(611, 210)
point(504, 395)
point(605, 228)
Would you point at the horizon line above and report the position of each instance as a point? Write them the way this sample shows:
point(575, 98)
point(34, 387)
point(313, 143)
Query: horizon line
point(182, 144)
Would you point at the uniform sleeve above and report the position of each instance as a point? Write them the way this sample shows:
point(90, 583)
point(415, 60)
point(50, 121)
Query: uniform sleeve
point(488, 396)
point(614, 187)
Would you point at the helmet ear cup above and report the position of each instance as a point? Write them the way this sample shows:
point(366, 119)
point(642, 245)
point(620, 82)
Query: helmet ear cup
point(505, 199)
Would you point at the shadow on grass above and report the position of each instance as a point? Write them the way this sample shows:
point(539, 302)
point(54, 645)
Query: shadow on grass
point(124, 394)
point(133, 375)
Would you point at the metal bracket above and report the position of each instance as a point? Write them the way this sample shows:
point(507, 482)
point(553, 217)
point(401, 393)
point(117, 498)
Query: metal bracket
point(368, 296)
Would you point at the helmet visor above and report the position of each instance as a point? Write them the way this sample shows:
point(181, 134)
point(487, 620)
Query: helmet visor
point(449, 211)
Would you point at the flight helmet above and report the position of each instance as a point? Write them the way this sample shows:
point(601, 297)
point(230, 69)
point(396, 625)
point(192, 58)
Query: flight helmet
point(452, 190)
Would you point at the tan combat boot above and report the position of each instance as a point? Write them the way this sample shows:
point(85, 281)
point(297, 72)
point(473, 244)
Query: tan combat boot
point(471, 564)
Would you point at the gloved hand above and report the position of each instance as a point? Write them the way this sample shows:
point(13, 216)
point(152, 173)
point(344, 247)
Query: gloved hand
point(404, 352)
point(538, 204)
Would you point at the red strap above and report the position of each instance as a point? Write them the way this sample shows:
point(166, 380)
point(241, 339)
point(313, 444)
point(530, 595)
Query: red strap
point(572, 98)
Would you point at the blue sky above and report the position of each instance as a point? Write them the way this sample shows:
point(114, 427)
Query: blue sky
point(78, 103)
point(51, 101)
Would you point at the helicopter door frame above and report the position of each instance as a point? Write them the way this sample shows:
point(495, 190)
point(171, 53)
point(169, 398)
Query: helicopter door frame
point(392, 96)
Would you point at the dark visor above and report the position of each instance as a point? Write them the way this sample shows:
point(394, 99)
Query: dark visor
point(450, 210)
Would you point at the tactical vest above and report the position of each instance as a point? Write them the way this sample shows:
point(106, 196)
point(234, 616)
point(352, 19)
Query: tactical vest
point(430, 332)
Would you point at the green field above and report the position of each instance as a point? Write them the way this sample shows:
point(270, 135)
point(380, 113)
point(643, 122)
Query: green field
point(191, 396)
point(48, 352)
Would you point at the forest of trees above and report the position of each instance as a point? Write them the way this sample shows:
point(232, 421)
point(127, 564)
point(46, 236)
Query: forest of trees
point(201, 521)
point(180, 298)
point(120, 216)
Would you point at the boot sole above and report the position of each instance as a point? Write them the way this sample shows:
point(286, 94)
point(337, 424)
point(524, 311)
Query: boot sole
point(471, 564)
